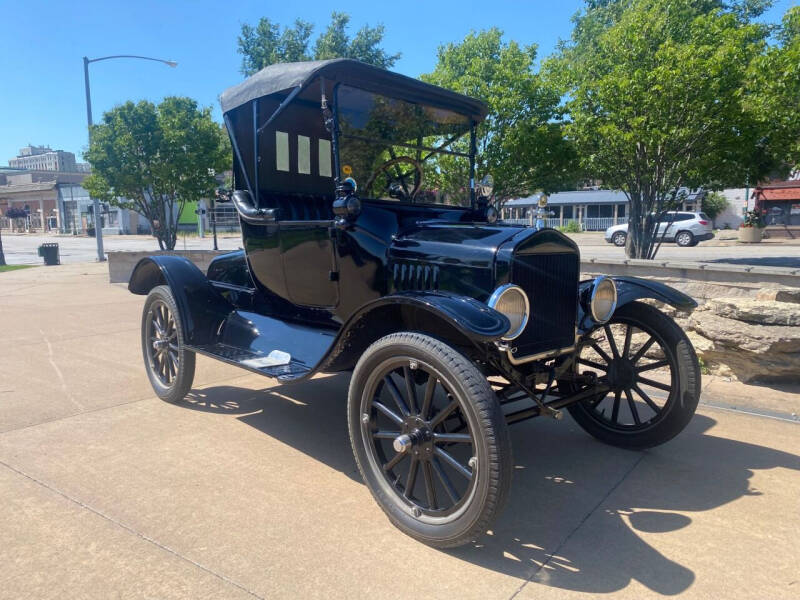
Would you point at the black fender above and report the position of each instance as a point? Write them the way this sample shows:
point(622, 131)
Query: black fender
point(201, 308)
point(628, 290)
point(459, 320)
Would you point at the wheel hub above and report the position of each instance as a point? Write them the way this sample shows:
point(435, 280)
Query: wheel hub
point(416, 436)
point(621, 374)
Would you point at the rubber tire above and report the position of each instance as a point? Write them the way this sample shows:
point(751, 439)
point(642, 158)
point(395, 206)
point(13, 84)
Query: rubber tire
point(684, 244)
point(186, 358)
point(680, 412)
point(493, 447)
point(617, 236)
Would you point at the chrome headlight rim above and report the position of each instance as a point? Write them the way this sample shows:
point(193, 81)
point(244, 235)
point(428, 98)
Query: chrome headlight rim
point(595, 287)
point(495, 298)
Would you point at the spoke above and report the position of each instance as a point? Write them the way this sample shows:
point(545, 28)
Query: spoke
point(412, 478)
point(594, 365)
point(430, 388)
point(410, 389)
point(599, 350)
point(611, 341)
point(385, 435)
point(653, 365)
point(615, 410)
point(655, 384)
point(646, 398)
point(448, 486)
point(645, 347)
point(627, 347)
point(392, 463)
point(398, 398)
point(173, 347)
point(443, 414)
point(594, 403)
point(388, 412)
point(157, 327)
point(429, 489)
point(173, 361)
point(632, 406)
point(459, 468)
point(456, 438)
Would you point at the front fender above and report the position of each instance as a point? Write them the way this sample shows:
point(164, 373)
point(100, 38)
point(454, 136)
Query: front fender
point(201, 308)
point(458, 320)
point(633, 288)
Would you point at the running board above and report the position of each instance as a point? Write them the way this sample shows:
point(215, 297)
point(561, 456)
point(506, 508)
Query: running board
point(246, 339)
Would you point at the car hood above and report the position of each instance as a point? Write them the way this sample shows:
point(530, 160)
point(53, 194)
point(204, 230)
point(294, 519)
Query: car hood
point(446, 256)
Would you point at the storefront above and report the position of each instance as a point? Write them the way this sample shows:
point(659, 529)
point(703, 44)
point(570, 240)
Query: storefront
point(779, 204)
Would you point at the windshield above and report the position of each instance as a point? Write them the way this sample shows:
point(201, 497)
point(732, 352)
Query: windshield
point(398, 150)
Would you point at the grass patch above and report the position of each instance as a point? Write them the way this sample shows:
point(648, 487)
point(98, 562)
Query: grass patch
point(4, 268)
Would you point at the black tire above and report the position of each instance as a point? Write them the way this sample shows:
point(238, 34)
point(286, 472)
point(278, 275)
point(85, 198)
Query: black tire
point(169, 365)
point(683, 390)
point(475, 491)
point(685, 239)
point(619, 238)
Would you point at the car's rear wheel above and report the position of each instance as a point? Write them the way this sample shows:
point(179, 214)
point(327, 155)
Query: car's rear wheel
point(429, 438)
point(684, 238)
point(169, 365)
point(619, 238)
point(653, 374)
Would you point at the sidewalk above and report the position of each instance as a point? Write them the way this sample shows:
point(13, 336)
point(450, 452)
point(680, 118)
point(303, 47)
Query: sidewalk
point(249, 490)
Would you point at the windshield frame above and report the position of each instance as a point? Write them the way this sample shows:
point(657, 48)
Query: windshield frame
point(336, 134)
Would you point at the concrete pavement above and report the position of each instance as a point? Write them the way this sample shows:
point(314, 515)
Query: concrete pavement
point(249, 490)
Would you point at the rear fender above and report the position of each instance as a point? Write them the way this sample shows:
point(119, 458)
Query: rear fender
point(459, 320)
point(201, 308)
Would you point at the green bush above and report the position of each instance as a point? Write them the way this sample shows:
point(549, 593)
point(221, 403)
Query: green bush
point(571, 227)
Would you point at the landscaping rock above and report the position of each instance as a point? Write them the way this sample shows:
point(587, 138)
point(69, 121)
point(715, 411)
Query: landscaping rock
point(756, 312)
point(748, 352)
point(780, 295)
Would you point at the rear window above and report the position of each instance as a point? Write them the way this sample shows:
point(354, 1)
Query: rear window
point(704, 217)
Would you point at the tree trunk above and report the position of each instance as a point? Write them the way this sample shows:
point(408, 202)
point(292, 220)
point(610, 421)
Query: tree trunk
point(2, 256)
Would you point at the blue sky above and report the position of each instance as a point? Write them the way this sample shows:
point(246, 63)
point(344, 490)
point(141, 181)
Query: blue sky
point(42, 43)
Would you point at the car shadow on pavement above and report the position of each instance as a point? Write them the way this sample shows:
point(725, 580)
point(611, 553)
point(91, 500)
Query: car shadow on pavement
point(575, 505)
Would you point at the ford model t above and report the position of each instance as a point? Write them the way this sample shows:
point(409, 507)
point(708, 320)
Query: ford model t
point(369, 248)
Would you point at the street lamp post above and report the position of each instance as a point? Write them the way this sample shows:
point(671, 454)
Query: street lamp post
point(98, 219)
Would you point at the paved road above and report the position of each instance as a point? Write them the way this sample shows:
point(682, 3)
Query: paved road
point(248, 490)
point(22, 249)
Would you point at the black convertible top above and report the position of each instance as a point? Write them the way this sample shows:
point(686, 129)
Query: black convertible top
point(284, 77)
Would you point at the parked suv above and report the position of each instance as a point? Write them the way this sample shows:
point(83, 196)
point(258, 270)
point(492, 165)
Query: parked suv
point(683, 228)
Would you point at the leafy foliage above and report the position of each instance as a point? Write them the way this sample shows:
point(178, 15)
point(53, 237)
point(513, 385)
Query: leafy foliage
point(753, 218)
point(713, 204)
point(154, 159)
point(521, 142)
point(268, 43)
point(658, 99)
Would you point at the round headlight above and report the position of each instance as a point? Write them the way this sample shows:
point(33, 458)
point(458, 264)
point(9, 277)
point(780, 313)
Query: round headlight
point(603, 299)
point(511, 301)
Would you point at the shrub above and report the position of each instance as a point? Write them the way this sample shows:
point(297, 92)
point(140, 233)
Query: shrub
point(571, 227)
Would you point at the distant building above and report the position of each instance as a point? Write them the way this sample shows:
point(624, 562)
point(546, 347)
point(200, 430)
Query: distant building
point(779, 204)
point(43, 158)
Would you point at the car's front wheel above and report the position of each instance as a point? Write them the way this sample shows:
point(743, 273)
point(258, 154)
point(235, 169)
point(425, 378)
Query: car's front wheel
point(619, 238)
point(429, 438)
point(169, 365)
point(650, 369)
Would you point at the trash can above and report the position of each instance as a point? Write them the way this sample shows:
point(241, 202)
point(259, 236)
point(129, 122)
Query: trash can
point(49, 252)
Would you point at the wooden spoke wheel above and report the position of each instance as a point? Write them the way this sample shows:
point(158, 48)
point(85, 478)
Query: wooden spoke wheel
point(170, 367)
point(653, 374)
point(429, 438)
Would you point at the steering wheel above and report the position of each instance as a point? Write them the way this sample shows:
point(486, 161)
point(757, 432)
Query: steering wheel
point(398, 186)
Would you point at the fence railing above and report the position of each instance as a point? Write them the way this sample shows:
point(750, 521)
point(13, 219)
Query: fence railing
point(588, 224)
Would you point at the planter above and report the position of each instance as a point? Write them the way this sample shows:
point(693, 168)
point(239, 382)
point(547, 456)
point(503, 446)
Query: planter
point(750, 235)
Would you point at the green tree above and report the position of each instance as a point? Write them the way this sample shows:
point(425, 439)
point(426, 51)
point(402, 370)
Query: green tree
point(658, 99)
point(154, 159)
point(521, 142)
point(713, 205)
point(268, 43)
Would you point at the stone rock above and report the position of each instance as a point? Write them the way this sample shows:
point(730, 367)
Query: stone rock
point(746, 351)
point(756, 312)
point(780, 295)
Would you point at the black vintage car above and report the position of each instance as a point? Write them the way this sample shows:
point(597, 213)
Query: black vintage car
point(369, 248)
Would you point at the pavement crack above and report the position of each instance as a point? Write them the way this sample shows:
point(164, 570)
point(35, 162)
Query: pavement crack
point(64, 387)
point(575, 529)
point(130, 529)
